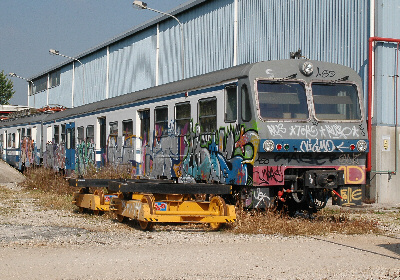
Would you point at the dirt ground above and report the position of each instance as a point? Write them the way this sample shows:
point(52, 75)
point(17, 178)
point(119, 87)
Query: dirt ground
point(53, 244)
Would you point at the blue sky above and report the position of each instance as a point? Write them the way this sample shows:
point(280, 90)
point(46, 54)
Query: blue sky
point(28, 29)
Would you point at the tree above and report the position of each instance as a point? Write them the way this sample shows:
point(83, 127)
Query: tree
point(6, 89)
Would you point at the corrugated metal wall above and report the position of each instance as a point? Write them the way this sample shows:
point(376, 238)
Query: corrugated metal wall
point(335, 31)
point(62, 94)
point(387, 22)
point(132, 63)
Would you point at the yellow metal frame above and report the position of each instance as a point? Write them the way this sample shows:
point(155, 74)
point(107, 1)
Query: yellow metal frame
point(149, 208)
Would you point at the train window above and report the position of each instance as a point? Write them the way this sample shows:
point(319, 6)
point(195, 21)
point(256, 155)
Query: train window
point(56, 136)
point(90, 134)
point(9, 143)
point(13, 140)
point(336, 101)
point(114, 128)
point(246, 108)
point(145, 126)
point(127, 128)
point(208, 115)
point(81, 134)
point(182, 117)
point(282, 100)
point(63, 130)
point(29, 132)
point(161, 121)
point(230, 104)
point(23, 133)
point(1, 140)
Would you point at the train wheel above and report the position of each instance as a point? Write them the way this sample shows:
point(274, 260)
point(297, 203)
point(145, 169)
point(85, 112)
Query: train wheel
point(121, 218)
point(300, 195)
point(218, 206)
point(81, 210)
point(145, 225)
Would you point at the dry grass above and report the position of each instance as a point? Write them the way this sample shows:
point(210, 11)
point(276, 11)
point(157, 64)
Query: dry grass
point(53, 192)
point(52, 189)
point(322, 223)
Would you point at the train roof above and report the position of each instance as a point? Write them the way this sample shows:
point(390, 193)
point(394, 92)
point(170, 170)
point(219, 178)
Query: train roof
point(186, 85)
point(181, 86)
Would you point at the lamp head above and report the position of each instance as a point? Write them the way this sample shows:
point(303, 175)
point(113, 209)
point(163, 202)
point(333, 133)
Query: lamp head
point(51, 51)
point(139, 5)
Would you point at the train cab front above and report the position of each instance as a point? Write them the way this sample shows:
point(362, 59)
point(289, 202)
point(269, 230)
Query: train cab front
point(313, 134)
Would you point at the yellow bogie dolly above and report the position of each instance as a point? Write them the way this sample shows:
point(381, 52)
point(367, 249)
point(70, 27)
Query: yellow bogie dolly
point(148, 209)
point(133, 199)
point(97, 201)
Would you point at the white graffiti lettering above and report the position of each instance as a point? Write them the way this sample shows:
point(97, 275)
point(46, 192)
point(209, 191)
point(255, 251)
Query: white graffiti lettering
point(334, 131)
point(320, 146)
point(276, 130)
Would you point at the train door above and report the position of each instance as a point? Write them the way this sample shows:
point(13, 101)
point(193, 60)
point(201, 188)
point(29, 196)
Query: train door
point(101, 141)
point(70, 147)
point(145, 136)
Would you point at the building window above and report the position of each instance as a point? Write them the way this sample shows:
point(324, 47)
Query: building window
point(230, 104)
point(182, 117)
point(54, 79)
point(40, 84)
point(161, 121)
point(208, 115)
point(127, 128)
point(90, 134)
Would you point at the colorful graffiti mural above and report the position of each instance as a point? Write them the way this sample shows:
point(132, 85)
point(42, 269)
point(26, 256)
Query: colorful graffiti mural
point(225, 156)
point(28, 153)
point(54, 156)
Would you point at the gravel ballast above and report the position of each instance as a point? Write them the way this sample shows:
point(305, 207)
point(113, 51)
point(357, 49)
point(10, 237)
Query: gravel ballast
point(55, 244)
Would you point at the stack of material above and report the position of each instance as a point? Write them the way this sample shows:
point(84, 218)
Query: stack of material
point(9, 174)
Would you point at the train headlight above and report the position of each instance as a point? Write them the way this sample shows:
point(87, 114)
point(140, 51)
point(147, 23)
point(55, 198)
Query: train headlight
point(269, 145)
point(307, 68)
point(361, 146)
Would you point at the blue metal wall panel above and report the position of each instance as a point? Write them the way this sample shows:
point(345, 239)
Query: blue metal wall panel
point(208, 41)
point(90, 78)
point(334, 31)
point(387, 22)
point(132, 63)
point(61, 94)
point(40, 99)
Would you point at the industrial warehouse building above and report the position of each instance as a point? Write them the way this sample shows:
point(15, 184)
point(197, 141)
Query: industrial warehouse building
point(218, 34)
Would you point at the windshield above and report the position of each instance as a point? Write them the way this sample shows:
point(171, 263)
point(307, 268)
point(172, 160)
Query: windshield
point(282, 100)
point(336, 101)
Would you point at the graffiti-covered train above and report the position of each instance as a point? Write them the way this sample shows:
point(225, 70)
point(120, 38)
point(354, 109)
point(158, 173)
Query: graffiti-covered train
point(292, 131)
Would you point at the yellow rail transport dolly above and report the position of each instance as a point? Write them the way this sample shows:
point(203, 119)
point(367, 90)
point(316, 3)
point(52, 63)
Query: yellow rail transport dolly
point(163, 201)
point(98, 201)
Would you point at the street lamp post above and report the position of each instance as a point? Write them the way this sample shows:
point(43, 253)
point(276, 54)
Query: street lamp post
point(29, 81)
point(55, 52)
point(143, 6)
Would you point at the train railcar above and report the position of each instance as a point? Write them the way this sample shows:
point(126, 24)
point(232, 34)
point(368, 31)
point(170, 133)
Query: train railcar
point(291, 131)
